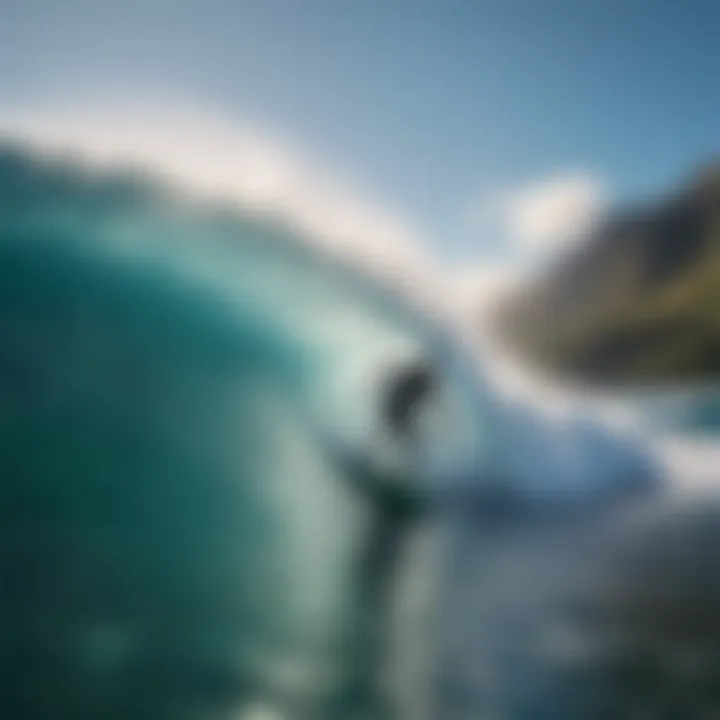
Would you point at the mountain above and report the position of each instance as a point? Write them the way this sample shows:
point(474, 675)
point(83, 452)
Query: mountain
point(637, 303)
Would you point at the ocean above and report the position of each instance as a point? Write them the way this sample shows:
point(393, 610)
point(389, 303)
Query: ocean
point(242, 477)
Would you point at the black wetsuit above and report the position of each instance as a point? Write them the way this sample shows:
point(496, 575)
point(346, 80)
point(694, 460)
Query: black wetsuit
point(396, 504)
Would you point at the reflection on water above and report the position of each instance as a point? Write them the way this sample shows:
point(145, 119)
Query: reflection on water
point(585, 617)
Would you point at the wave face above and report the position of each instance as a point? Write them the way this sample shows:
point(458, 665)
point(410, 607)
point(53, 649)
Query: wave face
point(196, 449)
point(214, 437)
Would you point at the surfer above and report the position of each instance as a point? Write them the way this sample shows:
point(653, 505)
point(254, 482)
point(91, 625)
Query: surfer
point(396, 503)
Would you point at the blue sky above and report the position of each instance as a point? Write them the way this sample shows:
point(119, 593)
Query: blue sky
point(431, 104)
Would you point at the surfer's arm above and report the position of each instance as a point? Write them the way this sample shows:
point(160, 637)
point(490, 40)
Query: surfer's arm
point(391, 490)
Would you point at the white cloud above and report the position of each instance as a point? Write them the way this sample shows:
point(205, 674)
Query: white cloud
point(544, 214)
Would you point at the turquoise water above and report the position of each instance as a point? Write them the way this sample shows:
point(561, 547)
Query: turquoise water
point(191, 415)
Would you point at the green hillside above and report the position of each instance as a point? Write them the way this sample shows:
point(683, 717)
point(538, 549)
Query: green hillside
point(638, 303)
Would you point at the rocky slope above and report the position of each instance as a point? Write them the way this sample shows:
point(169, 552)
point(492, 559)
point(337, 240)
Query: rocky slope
point(638, 302)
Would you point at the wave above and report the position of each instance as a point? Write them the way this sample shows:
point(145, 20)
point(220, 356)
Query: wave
point(224, 414)
point(204, 395)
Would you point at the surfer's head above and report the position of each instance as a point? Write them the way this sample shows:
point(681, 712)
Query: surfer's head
point(407, 392)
